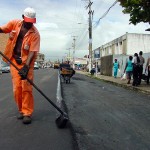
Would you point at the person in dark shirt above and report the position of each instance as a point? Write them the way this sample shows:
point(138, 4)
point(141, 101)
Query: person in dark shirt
point(142, 61)
point(136, 64)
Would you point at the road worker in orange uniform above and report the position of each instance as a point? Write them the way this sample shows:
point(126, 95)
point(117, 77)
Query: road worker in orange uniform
point(22, 47)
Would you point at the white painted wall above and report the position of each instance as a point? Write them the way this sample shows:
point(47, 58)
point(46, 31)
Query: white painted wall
point(137, 43)
point(81, 61)
point(122, 59)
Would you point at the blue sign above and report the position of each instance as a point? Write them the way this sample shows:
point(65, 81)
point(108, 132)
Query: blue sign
point(97, 54)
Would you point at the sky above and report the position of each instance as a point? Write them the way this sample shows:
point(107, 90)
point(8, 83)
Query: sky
point(61, 21)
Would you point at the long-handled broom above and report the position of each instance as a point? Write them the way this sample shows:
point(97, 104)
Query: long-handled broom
point(61, 120)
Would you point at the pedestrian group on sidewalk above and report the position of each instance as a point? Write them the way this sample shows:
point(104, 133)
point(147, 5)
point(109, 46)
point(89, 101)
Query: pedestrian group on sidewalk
point(134, 67)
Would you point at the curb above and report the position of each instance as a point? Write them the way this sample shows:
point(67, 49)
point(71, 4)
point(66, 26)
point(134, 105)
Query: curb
point(121, 85)
point(127, 87)
point(69, 124)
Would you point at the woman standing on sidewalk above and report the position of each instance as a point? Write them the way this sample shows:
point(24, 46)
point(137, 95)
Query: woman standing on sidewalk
point(116, 67)
point(129, 69)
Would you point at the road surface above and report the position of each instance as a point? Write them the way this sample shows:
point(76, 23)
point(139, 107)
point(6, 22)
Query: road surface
point(107, 117)
point(42, 134)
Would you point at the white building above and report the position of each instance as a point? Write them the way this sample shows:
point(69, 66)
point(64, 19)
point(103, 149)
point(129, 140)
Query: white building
point(127, 44)
point(124, 46)
point(82, 61)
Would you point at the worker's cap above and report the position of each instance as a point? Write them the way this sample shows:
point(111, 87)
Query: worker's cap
point(30, 15)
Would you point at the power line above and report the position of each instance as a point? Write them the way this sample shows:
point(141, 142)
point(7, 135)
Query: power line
point(82, 37)
point(78, 18)
point(105, 14)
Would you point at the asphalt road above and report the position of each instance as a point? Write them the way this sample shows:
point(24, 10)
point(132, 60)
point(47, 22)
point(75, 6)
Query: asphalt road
point(43, 133)
point(107, 117)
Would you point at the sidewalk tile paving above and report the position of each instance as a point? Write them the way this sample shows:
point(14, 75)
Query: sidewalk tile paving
point(144, 88)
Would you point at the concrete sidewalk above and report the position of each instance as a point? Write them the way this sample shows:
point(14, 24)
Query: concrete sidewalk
point(144, 88)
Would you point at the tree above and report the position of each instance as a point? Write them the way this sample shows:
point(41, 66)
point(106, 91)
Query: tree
point(139, 10)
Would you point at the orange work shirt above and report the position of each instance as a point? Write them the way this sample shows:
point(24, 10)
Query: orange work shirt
point(31, 40)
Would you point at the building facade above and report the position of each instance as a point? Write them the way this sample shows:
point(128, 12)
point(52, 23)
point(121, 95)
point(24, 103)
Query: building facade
point(121, 48)
point(3, 39)
point(40, 59)
point(127, 44)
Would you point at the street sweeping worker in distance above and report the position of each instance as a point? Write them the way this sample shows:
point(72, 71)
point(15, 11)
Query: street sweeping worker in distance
point(22, 47)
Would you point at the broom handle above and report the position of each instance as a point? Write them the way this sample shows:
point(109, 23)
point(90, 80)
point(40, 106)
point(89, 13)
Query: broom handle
point(33, 84)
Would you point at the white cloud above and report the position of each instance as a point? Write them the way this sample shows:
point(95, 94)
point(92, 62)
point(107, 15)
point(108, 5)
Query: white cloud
point(59, 20)
point(46, 26)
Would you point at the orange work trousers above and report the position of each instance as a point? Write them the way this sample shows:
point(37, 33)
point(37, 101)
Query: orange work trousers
point(23, 90)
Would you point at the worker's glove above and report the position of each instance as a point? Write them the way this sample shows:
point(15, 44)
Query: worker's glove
point(24, 72)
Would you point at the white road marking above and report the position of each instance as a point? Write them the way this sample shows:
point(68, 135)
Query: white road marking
point(58, 93)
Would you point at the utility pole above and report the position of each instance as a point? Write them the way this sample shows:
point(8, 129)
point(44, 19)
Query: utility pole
point(69, 54)
point(90, 33)
point(74, 48)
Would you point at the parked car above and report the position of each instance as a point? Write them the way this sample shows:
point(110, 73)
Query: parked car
point(36, 66)
point(5, 68)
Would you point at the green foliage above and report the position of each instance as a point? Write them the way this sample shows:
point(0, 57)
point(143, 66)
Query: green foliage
point(139, 10)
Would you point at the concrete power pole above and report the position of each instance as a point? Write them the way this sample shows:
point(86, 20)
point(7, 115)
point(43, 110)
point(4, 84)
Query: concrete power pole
point(74, 48)
point(90, 33)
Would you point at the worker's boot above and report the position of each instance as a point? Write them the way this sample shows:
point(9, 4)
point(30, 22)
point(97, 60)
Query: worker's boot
point(27, 119)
